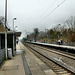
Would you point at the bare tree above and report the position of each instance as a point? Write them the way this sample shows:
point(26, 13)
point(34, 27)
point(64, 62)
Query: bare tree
point(2, 28)
point(1, 20)
point(71, 23)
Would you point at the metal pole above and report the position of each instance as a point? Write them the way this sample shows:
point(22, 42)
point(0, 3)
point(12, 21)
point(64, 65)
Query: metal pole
point(13, 36)
point(6, 28)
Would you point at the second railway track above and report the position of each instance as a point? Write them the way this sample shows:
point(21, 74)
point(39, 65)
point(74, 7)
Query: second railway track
point(55, 64)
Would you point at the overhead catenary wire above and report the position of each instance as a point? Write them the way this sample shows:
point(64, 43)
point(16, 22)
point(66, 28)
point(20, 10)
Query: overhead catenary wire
point(46, 10)
point(51, 12)
point(43, 13)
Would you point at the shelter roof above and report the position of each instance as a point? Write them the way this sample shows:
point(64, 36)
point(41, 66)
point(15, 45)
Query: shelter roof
point(18, 34)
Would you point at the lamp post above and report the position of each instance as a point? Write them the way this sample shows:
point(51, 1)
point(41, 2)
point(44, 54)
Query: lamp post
point(15, 28)
point(13, 23)
point(6, 29)
point(46, 32)
point(13, 36)
point(59, 26)
point(60, 32)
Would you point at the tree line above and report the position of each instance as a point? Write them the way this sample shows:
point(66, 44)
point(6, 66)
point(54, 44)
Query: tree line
point(65, 32)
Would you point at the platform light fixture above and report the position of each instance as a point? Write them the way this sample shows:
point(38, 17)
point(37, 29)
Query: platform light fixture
point(13, 35)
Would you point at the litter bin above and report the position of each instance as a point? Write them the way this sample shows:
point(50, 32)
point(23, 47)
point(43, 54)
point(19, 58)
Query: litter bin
point(9, 52)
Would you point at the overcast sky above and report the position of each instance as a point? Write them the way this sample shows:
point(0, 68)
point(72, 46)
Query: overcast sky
point(32, 14)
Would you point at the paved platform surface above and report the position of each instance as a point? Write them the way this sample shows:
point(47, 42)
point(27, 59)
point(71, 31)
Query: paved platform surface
point(55, 45)
point(37, 67)
point(15, 65)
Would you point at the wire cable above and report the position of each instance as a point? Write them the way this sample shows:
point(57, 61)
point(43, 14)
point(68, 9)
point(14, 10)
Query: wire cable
point(46, 10)
point(51, 11)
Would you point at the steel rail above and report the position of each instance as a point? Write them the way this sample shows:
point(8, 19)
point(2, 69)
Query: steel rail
point(56, 61)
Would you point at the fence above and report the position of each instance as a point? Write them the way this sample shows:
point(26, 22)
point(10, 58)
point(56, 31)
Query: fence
point(2, 55)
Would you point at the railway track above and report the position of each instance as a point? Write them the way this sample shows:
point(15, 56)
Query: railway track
point(66, 54)
point(55, 65)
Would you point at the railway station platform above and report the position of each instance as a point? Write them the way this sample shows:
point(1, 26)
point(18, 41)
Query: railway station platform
point(22, 66)
point(13, 66)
